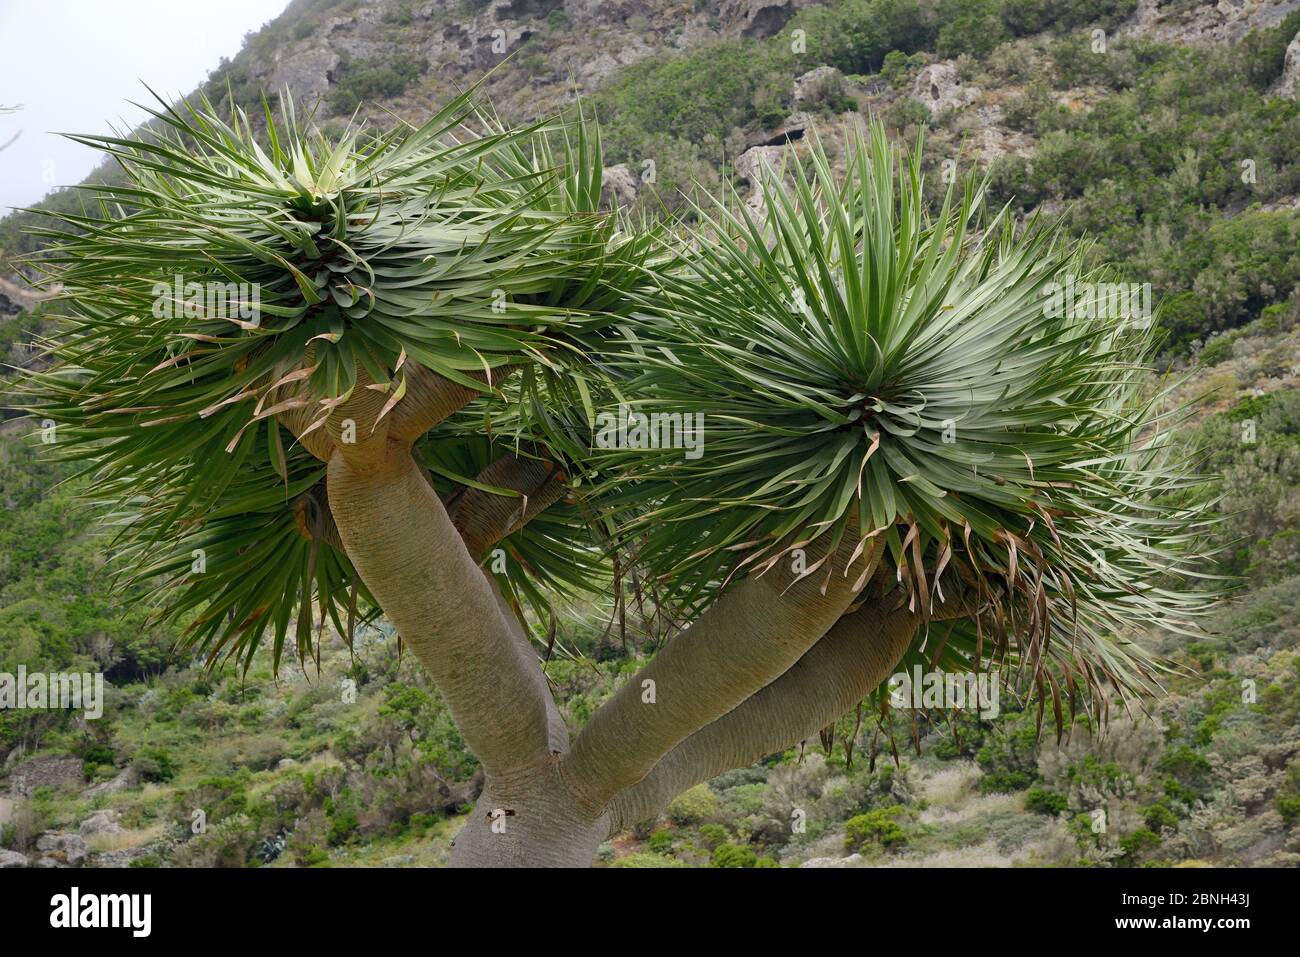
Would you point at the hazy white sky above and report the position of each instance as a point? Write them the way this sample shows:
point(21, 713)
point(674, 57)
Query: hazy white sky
point(74, 64)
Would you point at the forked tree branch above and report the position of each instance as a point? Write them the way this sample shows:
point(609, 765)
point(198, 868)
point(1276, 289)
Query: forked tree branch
point(841, 669)
point(484, 518)
point(745, 640)
point(298, 421)
point(400, 540)
point(481, 522)
point(827, 682)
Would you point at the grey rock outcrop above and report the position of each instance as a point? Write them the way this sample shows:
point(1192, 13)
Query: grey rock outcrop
point(1227, 21)
point(306, 73)
point(101, 823)
point(853, 860)
point(759, 19)
point(591, 73)
point(811, 86)
point(124, 780)
point(1289, 84)
point(754, 166)
point(62, 847)
point(56, 772)
point(619, 186)
point(940, 88)
point(127, 856)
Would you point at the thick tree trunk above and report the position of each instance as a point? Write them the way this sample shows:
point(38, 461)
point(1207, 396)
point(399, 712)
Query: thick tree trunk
point(414, 562)
point(849, 662)
point(532, 820)
point(746, 639)
point(528, 819)
point(455, 620)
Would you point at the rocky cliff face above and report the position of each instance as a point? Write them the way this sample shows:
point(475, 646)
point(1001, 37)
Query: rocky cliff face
point(1226, 21)
point(582, 42)
point(1289, 85)
point(555, 48)
point(533, 57)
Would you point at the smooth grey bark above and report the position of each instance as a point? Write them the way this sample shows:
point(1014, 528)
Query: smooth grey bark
point(483, 518)
point(453, 617)
point(847, 664)
point(430, 398)
point(841, 669)
point(417, 563)
point(747, 638)
point(528, 819)
point(457, 623)
point(406, 550)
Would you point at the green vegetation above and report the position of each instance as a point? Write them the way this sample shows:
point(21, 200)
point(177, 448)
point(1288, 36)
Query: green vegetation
point(1157, 175)
point(1167, 173)
point(856, 36)
point(1153, 174)
point(975, 27)
point(1288, 795)
point(878, 827)
point(377, 78)
point(1042, 800)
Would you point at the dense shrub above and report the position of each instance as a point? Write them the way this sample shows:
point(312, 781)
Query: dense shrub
point(343, 824)
point(1135, 844)
point(1263, 52)
point(875, 828)
point(661, 842)
point(218, 797)
point(96, 755)
point(1288, 795)
point(731, 855)
point(711, 835)
point(1008, 757)
point(357, 81)
point(856, 36)
point(970, 26)
point(1160, 816)
point(1186, 765)
point(693, 806)
point(154, 764)
point(1023, 17)
point(1043, 800)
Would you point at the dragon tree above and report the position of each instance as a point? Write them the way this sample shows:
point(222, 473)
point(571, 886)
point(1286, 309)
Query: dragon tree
point(317, 379)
